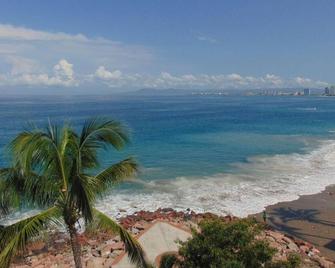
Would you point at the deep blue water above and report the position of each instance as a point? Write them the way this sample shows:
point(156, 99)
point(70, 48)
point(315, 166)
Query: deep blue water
point(191, 137)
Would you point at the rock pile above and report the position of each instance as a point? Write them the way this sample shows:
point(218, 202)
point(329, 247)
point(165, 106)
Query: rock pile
point(286, 245)
point(101, 249)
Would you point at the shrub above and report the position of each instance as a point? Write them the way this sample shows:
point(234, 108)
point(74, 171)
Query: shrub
point(227, 245)
point(221, 244)
point(168, 261)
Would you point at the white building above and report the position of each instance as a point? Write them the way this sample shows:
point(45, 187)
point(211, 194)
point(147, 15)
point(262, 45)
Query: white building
point(330, 91)
point(307, 92)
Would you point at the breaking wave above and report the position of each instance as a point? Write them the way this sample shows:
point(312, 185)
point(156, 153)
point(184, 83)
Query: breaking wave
point(257, 183)
point(261, 181)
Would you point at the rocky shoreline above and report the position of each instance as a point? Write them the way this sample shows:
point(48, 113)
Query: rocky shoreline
point(102, 249)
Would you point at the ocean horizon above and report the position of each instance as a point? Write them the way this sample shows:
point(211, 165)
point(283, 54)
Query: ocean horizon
point(221, 154)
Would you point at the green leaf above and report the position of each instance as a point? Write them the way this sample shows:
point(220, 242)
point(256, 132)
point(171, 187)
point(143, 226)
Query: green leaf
point(115, 174)
point(132, 247)
point(54, 165)
point(99, 133)
point(29, 189)
point(82, 195)
point(10, 187)
point(14, 237)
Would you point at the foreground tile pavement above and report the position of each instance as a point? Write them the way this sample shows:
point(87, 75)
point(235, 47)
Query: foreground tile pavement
point(160, 238)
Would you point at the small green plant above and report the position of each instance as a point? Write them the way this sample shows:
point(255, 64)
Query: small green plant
point(168, 260)
point(293, 261)
point(224, 245)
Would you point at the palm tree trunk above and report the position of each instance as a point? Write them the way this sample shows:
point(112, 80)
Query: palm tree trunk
point(76, 248)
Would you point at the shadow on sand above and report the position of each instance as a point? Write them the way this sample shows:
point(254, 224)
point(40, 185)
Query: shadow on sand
point(280, 219)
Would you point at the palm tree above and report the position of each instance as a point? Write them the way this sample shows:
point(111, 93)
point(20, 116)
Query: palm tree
point(53, 169)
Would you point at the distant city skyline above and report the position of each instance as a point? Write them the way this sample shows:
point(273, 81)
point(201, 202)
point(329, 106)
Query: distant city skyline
point(68, 46)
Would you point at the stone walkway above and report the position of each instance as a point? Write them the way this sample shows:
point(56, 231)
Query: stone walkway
point(161, 237)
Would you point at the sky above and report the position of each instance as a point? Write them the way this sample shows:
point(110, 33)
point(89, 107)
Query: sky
point(125, 45)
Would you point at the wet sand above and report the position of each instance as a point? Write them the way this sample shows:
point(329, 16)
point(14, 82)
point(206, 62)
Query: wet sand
point(310, 218)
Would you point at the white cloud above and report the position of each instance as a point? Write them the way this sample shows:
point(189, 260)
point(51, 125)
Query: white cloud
point(104, 74)
point(221, 81)
point(64, 70)
point(28, 57)
point(273, 80)
point(10, 32)
point(20, 65)
point(302, 81)
point(307, 82)
point(63, 75)
point(21, 47)
point(208, 39)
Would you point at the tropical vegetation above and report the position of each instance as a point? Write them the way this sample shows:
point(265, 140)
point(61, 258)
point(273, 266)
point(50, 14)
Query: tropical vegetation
point(226, 245)
point(57, 170)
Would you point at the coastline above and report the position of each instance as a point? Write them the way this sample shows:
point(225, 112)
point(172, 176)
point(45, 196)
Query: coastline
point(303, 226)
point(251, 186)
point(310, 218)
point(104, 249)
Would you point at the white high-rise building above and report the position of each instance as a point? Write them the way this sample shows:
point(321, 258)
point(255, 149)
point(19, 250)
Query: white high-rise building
point(330, 91)
point(307, 92)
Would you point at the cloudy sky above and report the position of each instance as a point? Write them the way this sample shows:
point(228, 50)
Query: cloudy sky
point(126, 45)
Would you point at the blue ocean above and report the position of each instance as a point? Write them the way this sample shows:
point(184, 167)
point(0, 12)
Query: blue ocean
point(224, 154)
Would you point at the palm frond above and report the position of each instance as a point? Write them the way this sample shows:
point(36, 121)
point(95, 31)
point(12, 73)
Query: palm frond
point(11, 190)
point(29, 189)
point(13, 238)
point(82, 195)
point(40, 190)
point(9, 197)
point(51, 165)
point(39, 151)
point(35, 150)
point(115, 174)
point(132, 247)
point(22, 148)
point(99, 133)
point(68, 148)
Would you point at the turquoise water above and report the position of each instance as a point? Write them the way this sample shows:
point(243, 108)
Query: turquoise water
point(217, 153)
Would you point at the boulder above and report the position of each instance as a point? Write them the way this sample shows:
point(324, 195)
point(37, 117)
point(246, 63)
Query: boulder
point(293, 247)
point(304, 249)
point(110, 241)
point(105, 250)
point(59, 244)
point(38, 247)
point(139, 226)
point(135, 231)
point(277, 236)
point(117, 246)
point(115, 253)
point(323, 262)
point(96, 252)
point(287, 240)
point(108, 263)
point(92, 242)
point(315, 251)
point(95, 263)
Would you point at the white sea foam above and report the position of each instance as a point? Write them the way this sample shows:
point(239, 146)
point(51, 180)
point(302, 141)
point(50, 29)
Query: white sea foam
point(307, 109)
point(262, 181)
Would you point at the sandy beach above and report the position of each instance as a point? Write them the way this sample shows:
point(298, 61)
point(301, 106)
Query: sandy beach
point(310, 218)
